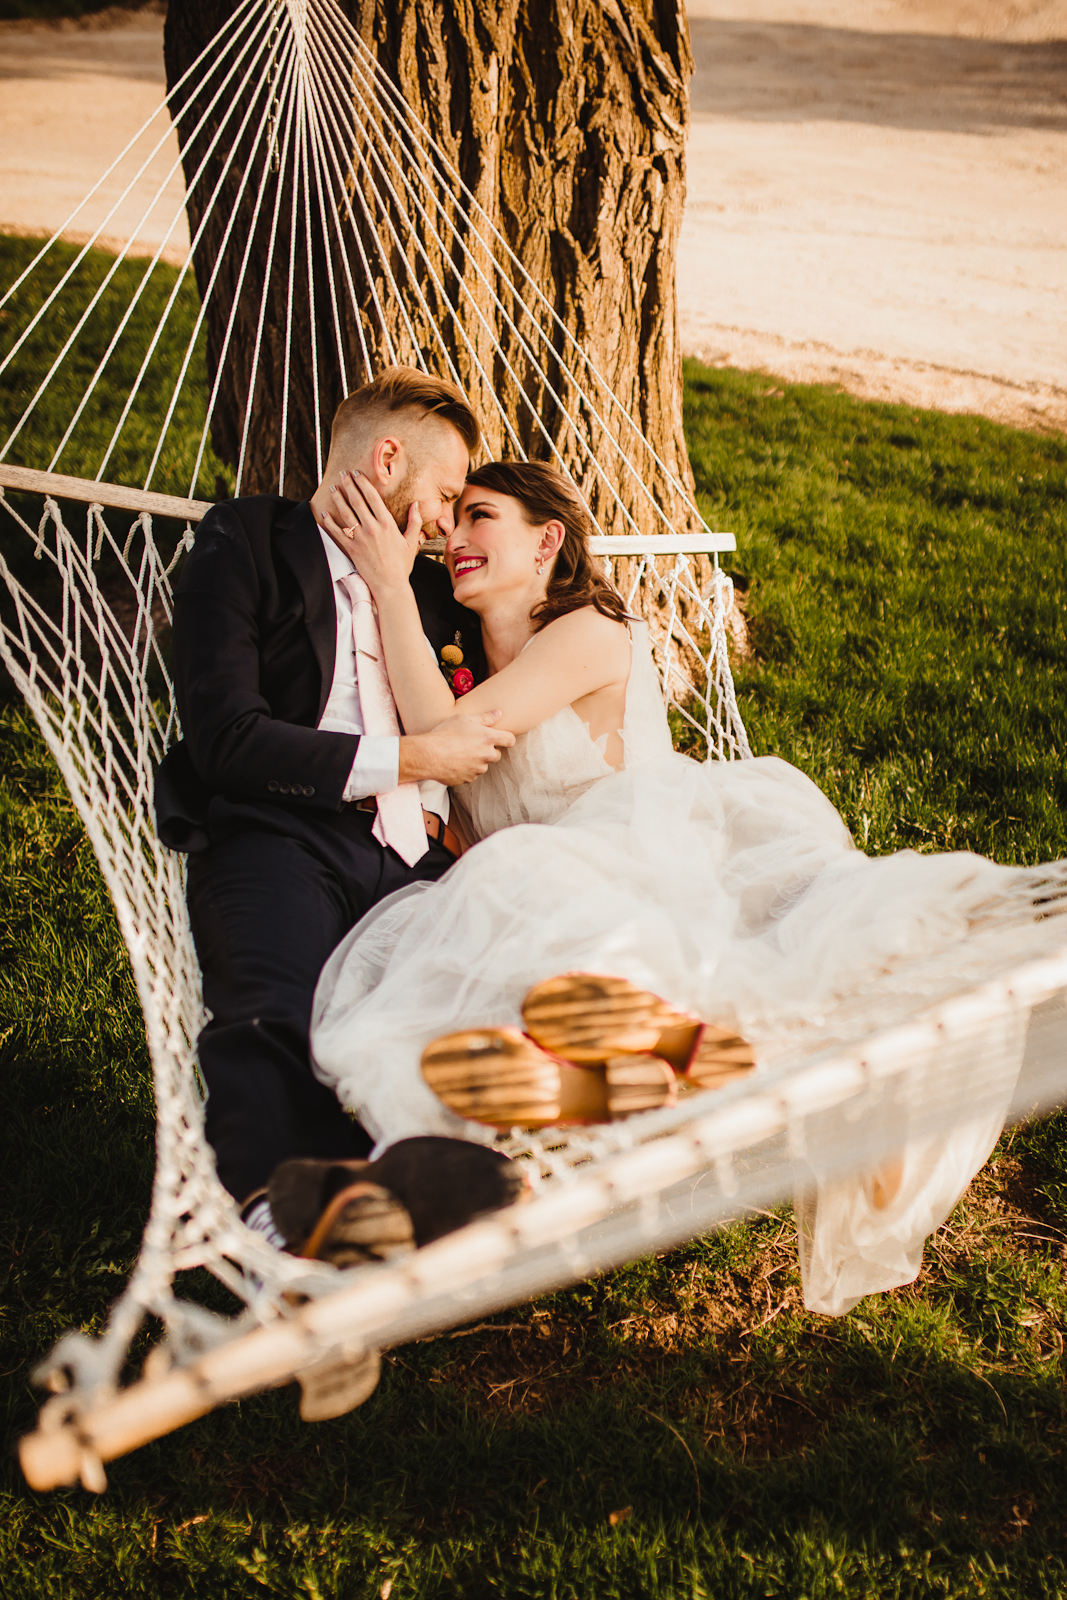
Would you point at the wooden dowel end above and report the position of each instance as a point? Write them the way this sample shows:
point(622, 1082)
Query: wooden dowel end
point(50, 1460)
point(62, 1451)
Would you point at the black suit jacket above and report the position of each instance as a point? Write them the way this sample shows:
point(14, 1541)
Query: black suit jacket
point(255, 633)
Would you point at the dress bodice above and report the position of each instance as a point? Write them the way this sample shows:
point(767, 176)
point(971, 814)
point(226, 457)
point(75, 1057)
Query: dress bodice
point(547, 769)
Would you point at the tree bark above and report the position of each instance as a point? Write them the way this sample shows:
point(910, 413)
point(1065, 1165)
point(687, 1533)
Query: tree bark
point(567, 119)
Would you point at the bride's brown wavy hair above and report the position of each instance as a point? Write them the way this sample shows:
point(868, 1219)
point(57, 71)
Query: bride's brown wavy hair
point(545, 495)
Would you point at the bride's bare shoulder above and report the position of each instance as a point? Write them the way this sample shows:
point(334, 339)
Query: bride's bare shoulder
point(587, 628)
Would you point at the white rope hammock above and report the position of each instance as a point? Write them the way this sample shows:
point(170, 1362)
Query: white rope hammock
point(86, 643)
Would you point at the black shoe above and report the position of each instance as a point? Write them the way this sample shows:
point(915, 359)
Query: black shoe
point(348, 1212)
point(353, 1212)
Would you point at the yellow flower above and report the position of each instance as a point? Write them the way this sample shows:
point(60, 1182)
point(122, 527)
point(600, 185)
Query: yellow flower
point(452, 654)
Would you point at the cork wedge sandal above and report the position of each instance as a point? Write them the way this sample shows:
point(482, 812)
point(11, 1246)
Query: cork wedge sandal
point(596, 1019)
point(503, 1079)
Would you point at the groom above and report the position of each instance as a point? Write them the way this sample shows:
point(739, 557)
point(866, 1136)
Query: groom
point(301, 804)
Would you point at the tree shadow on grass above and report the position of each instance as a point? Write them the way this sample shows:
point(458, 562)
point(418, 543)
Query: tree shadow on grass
point(418, 1482)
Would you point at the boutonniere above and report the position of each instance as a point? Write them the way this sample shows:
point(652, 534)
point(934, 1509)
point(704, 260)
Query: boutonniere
point(460, 678)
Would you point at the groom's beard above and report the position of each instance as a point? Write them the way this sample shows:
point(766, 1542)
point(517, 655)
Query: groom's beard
point(398, 500)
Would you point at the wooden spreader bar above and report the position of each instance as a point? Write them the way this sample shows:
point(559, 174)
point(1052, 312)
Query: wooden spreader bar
point(96, 492)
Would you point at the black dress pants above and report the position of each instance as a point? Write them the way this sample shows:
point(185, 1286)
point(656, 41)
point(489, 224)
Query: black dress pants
point(269, 899)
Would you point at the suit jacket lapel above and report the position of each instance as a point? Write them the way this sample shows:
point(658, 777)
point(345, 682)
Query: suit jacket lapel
point(299, 543)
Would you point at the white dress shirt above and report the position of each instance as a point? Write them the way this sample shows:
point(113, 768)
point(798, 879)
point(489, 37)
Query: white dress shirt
point(376, 768)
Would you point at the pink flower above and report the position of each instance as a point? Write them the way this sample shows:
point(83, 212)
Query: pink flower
point(462, 681)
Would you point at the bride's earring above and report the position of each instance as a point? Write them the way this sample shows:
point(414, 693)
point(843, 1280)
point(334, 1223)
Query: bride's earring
point(541, 567)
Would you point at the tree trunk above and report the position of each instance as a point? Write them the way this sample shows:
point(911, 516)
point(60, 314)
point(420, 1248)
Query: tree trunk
point(567, 121)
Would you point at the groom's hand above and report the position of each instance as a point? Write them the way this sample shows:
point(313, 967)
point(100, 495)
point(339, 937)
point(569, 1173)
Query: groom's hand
point(456, 751)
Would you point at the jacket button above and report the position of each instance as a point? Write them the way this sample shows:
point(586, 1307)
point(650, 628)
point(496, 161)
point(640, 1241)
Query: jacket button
point(285, 788)
point(273, 786)
point(309, 790)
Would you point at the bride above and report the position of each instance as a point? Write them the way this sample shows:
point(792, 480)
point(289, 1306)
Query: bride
point(732, 890)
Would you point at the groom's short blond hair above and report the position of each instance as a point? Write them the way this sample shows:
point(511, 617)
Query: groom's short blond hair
point(362, 418)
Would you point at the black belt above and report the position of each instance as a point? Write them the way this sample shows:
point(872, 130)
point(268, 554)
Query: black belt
point(436, 830)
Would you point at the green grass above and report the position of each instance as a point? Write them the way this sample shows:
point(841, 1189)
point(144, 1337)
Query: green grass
point(681, 1428)
point(908, 599)
point(85, 451)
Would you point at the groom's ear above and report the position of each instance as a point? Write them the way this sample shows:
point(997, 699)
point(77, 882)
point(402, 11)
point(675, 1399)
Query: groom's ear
point(387, 459)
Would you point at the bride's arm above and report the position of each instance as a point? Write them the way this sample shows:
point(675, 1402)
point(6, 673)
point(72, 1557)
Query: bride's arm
point(574, 656)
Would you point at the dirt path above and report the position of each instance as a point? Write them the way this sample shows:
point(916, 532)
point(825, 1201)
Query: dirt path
point(878, 198)
point(72, 95)
point(877, 190)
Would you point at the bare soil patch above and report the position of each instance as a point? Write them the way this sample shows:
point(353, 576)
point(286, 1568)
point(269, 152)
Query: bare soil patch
point(876, 199)
point(72, 96)
point(876, 190)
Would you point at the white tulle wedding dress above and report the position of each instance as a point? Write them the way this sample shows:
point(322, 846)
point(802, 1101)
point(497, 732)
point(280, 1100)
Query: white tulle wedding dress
point(733, 889)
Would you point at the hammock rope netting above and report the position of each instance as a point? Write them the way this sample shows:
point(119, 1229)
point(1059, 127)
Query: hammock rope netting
point(410, 254)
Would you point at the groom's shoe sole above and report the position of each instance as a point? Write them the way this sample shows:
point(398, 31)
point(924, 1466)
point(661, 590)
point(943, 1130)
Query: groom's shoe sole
point(501, 1078)
point(589, 1018)
point(362, 1224)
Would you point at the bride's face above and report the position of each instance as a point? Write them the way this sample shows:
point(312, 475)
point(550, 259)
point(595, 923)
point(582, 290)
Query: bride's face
point(493, 552)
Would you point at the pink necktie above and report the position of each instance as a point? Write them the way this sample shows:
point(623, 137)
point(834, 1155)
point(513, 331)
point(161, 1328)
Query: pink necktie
point(399, 822)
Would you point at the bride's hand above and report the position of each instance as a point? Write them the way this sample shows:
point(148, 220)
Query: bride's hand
point(364, 528)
